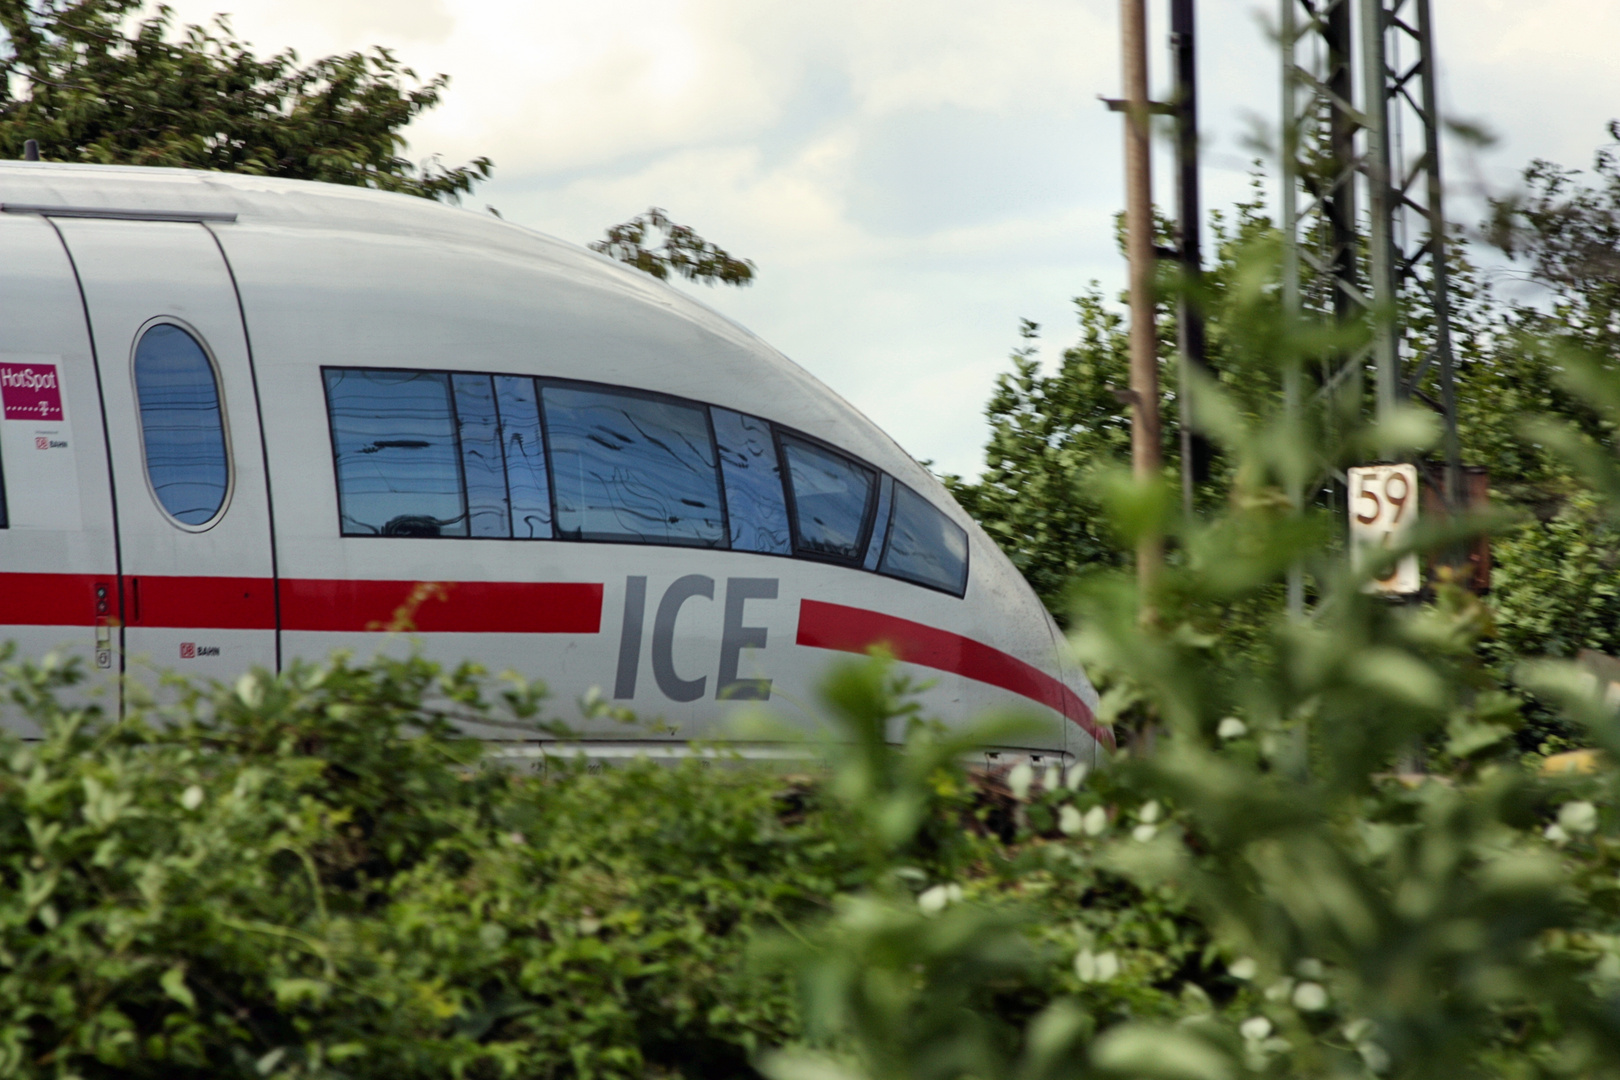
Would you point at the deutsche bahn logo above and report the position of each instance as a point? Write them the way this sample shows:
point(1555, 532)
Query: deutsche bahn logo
point(190, 650)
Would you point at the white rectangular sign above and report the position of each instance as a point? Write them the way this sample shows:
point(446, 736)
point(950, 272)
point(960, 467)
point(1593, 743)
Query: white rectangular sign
point(1383, 512)
point(36, 444)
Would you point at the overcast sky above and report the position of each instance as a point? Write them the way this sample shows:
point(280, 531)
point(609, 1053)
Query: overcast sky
point(912, 178)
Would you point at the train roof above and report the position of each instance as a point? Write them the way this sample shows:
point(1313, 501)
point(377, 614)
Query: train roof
point(335, 210)
point(196, 194)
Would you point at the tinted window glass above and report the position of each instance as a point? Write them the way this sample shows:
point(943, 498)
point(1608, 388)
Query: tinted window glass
point(481, 463)
point(526, 482)
point(830, 496)
point(2, 495)
point(924, 545)
point(756, 508)
point(397, 464)
point(182, 429)
point(880, 523)
point(628, 467)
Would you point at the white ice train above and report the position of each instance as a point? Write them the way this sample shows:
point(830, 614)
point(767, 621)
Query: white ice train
point(242, 419)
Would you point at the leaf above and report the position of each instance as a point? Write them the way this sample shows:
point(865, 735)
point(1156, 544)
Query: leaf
point(1161, 1053)
point(173, 982)
point(782, 1065)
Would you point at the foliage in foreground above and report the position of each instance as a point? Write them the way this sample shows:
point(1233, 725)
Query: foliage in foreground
point(1350, 917)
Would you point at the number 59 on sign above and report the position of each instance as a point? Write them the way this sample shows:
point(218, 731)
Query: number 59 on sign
point(1383, 512)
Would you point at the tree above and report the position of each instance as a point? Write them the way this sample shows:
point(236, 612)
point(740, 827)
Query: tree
point(1569, 235)
point(1556, 576)
point(683, 253)
point(89, 90)
point(1052, 431)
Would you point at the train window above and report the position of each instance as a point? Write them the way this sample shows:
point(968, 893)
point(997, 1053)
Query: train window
point(880, 523)
point(756, 508)
point(528, 487)
point(482, 465)
point(925, 546)
point(398, 468)
point(182, 425)
point(632, 467)
point(830, 495)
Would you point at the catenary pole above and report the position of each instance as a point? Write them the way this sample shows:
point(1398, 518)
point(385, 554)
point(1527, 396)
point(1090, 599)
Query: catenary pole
point(1139, 250)
point(1195, 447)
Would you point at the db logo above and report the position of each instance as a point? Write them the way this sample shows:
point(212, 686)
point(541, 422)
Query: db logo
point(41, 443)
point(188, 650)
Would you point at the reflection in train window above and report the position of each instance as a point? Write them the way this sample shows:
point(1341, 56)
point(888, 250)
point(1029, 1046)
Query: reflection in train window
point(632, 467)
point(529, 491)
point(880, 523)
point(924, 545)
point(755, 506)
point(182, 427)
point(481, 462)
point(830, 498)
point(394, 436)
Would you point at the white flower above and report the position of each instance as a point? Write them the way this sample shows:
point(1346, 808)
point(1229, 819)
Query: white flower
point(1243, 968)
point(1096, 821)
point(1053, 777)
point(1309, 969)
point(1096, 967)
point(192, 797)
point(1143, 833)
point(1578, 817)
point(1279, 990)
point(1555, 833)
point(1022, 775)
point(1232, 728)
point(1075, 777)
point(1255, 1028)
point(1149, 812)
point(1310, 997)
point(1069, 821)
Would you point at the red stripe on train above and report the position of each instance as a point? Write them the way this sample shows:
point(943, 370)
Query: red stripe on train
point(849, 629)
point(50, 599)
point(199, 603)
point(218, 603)
point(468, 607)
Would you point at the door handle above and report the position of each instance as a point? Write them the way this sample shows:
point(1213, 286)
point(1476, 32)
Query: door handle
point(103, 616)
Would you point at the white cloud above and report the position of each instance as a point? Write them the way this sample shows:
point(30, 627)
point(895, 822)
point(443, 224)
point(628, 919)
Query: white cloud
point(911, 177)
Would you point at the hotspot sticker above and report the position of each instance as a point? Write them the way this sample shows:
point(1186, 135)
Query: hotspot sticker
point(31, 392)
point(36, 444)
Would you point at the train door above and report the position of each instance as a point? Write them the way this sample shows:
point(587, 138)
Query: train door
point(188, 467)
point(58, 562)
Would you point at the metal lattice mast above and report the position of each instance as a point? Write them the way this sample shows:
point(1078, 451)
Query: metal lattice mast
point(1415, 212)
point(1337, 143)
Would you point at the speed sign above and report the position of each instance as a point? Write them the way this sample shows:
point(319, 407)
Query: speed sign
point(1383, 511)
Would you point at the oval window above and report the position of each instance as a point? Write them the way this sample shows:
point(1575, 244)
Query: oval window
point(182, 428)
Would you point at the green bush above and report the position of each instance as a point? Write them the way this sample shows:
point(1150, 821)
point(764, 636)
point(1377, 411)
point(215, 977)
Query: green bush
point(313, 875)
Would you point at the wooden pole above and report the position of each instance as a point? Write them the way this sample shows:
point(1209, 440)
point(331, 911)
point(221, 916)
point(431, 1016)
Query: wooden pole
point(1139, 249)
